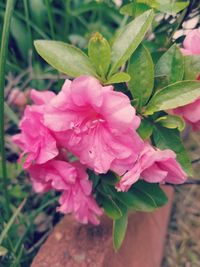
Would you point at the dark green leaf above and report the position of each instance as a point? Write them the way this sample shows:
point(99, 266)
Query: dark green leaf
point(143, 196)
point(111, 207)
point(145, 130)
point(129, 39)
point(170, 67)
point(141, 70)
point(174, 95)
point(65, 58)
point(168, 138)
point(119, 230)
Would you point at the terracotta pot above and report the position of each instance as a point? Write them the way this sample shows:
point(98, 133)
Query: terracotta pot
point(75, 245)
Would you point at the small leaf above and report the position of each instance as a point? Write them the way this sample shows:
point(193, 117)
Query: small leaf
point(192, 67)
point(170, 8)
point(145, 129)
point(134, 9)
point(170, 67)
point(129, 39)
point(119, 230)
point(168, 138)
point(172, 122)
point(65, 58)
point(3, 251)
point(100, 53)
point(141, 70)
point(119, 77)
point(174, 95)
point(167, 6)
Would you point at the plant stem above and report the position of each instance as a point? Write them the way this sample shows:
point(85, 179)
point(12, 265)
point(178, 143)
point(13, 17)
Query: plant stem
point(3, 54)
point(50, 18)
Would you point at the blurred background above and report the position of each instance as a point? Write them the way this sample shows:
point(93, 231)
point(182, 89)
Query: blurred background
point(74, 22)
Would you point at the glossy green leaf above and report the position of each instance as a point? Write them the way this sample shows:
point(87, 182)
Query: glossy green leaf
point(170, 138)
point(128, 40)
point(100, 53)
point(111, 207)
point(141, 70)
point(119, 77)
point(172, 122)
point(143, 196)
point(65, 58)
point(170, 67)
point(145, 129)
point(192, 67)
point(174, 95)
point(119, 230)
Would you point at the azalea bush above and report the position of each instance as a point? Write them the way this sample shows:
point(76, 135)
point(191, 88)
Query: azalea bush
point(111, 135)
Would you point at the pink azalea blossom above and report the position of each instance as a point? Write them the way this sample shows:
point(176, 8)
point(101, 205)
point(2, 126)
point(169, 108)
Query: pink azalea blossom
point(153, 166)
point(191, 44)
point(72, 180)
point(96, 124)
point(191, 112)
point(35, 140)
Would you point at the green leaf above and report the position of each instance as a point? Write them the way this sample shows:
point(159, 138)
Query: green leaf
point(119, 230)
point(168, 138)
point(170, 67)
point(143, 196)
point(109, 178)
point(174, 95)
point(3, 251)
point(111, 207)
point(65, 58)
point(134, 9)
point(11, 221)
point(119, 77)
point(129, 39)
point(141, 70)
point(172, 122)
point(100, 53)
point(145, 130)
point(153, 191)
point(192, 67)
point(166, 6)
point(171, 8)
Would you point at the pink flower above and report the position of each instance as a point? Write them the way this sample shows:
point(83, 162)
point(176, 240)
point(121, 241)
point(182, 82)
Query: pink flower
point(190, 113)
point(54, 174)
point(191, 44)
point(72, 180)
point(153, 166)
point(35, 140)
point(96, 124)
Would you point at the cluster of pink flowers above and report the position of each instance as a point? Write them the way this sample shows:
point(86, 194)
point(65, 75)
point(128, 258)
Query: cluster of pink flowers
point(87, 125)
point(191, 112)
